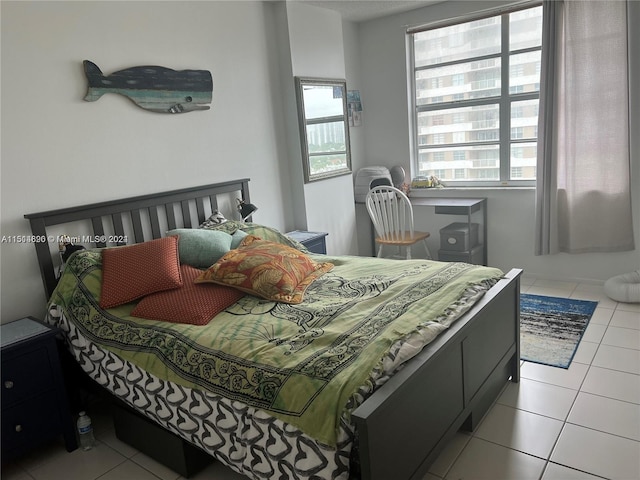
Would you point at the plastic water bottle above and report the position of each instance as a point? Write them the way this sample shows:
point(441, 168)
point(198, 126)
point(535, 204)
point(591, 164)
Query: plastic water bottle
point(85, 431)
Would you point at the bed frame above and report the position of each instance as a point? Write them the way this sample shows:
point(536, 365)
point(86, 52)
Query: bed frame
point(448, 386)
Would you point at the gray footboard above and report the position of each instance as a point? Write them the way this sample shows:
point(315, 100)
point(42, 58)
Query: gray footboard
point(405, 425)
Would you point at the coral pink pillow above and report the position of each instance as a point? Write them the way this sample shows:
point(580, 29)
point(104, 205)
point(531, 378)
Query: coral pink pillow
point(133, 271)
point(192, 303)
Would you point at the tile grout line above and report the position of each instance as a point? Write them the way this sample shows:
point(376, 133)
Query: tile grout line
point(565, 421)
point(573, 403)
point(547, 460)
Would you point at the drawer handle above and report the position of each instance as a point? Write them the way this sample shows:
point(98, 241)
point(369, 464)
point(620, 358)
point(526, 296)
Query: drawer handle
point(18, 428)
point(8, 384)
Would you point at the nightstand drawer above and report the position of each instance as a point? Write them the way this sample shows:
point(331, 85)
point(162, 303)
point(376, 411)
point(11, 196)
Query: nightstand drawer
point(317, 245)
point(314, 241)
point(24, 374)
point(30, 422)
point(35, 408)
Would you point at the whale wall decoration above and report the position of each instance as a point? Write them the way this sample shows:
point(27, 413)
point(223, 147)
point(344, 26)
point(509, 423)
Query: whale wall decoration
point(153, 88)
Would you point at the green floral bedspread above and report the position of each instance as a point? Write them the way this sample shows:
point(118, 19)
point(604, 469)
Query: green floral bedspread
point(297, 362)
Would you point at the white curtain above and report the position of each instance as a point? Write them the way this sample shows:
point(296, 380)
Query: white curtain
point(583, 198)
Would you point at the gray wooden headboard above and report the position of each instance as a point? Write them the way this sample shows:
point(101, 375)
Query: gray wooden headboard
point(145, 214)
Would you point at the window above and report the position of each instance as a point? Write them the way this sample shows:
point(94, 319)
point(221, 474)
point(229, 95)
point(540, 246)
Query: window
point(460, 155)
point(322, 116)
point(437, 82)
point(438, 138)
point(457, 79)
point(474, 99)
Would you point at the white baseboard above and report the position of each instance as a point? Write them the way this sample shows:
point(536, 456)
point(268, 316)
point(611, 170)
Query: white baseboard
point(531, 277)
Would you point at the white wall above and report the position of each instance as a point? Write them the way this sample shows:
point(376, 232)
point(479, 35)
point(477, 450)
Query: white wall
point(352, 58)
point(59, 151)
point(383, 85)
point(317, 50)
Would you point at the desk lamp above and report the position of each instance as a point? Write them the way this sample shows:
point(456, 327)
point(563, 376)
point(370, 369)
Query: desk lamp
point(246, 209)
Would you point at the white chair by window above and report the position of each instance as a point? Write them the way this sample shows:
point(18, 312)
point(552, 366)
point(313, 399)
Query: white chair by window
point(392, 216)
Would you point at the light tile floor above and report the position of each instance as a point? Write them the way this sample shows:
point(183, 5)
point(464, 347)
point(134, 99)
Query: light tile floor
point(582, 423)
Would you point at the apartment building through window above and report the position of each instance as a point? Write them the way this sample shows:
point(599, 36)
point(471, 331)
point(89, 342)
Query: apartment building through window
point(475, 94)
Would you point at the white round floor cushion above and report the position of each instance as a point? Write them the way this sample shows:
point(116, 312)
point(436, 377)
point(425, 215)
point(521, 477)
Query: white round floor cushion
point(624, 288)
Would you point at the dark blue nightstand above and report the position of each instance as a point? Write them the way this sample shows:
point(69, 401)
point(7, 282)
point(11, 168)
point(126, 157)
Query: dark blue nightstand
point(314, 241)
point(35, 408)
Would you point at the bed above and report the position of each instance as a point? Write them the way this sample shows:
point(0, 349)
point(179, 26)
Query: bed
point(430, 367)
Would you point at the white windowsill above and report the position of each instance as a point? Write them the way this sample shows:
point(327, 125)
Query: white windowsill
point(434, 192)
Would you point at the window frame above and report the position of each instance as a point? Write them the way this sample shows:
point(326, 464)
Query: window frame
point(307, 120)
point(504, 101)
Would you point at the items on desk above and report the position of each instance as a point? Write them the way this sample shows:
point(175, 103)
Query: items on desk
point(369, 177)
point(397, 175)
point(426, 181)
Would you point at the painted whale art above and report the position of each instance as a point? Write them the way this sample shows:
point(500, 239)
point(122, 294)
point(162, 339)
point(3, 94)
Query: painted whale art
point(157, 89)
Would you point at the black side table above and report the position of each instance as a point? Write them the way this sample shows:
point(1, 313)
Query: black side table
point(35, 408)
point(314, 241)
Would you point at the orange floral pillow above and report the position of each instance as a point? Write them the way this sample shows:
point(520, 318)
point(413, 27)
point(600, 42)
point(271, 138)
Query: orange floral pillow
point(266, 269)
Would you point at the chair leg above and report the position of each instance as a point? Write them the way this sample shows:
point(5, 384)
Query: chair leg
point(426, 247)
point(408, 247)
point(380, 251)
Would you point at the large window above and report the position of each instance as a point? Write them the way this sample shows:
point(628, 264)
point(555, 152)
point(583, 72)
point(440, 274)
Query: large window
point(475, 99)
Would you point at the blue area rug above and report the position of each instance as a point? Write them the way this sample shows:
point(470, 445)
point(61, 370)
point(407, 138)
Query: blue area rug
point(551, 328)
